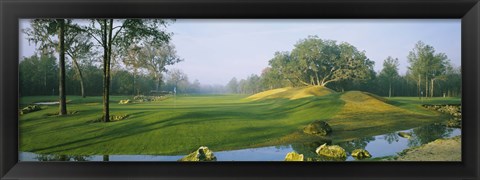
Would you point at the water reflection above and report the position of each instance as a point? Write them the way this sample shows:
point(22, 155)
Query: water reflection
point(391, 137)
point(359, 143)
point(426, 134)
point(378, 146)
point(106, 158)
point(54, 157)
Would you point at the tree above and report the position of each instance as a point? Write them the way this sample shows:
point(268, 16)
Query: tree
point(233, 85)
point(272, 79)
point(38, 74)
point(132, 60)
point(121, 33)
point(78, 47)
point(426, 65)
point(318, 62)
point(156, 57)
point(438, 70)
point(389, 72)
point(42, 33)
point(176, 76)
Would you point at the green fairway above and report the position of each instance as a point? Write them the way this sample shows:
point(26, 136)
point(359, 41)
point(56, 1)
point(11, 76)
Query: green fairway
point(179, 125)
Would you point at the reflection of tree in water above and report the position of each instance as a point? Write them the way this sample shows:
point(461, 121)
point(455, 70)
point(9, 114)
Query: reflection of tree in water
point(359, 143)
point(55, 157)
point(426, 134)
point(282, 147)
point(106, 157)
point(390, 137)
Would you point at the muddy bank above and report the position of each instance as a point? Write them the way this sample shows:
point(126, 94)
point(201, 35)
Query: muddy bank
point(439, 150)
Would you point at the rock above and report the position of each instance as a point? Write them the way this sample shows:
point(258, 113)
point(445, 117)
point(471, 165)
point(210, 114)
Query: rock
point(360, 154)
point(118, 117)
point(126, 101)
point(318, 128)
point(293, 156)
point(405, 135)
point(201, 154)
point(30, 108)
point(333, 151)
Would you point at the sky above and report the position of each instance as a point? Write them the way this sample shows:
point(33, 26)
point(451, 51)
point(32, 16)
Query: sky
point(216, 50)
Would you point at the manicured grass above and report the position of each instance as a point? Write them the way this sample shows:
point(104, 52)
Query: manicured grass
point(222, 122)
point(415, 103)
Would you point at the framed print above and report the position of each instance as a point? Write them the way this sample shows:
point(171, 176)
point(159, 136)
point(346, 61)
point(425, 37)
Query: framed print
point(239, 89)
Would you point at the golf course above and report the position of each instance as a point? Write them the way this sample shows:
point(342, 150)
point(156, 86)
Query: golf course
point(242, 90)
point(180, 124)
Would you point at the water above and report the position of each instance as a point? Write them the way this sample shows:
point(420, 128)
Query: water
point(378, 146)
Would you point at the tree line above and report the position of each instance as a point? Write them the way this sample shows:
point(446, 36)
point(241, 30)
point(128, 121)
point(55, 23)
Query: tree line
point(341, 66)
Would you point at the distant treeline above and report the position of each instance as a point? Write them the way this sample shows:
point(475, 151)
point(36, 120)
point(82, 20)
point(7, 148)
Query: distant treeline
point(39, 76)
point(341, 67)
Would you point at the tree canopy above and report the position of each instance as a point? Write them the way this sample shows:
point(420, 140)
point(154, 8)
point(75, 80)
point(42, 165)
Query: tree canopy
point(314, 61)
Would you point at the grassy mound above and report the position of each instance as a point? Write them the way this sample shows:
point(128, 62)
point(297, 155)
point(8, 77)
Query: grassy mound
point(292, 93)
point(364, 113)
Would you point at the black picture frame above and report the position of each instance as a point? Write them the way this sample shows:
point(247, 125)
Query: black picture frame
point(466, 10)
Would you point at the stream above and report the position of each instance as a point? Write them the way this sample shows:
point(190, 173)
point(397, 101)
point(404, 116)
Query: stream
point(379, 146)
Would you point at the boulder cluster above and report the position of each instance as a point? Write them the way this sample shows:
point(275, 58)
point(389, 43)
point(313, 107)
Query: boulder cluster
point(454, 110)
point(29, 109)
point(329, 153)
point(142, 98)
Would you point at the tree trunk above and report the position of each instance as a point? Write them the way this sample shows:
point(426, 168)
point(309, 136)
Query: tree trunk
point(79, 72)
point(426, 86)
point(107, 49)
point(418, 87)
point(390, 90)
point(159, 79)
point(61, 87)
point(431, 87)
point(45, 89)
point(134, 78)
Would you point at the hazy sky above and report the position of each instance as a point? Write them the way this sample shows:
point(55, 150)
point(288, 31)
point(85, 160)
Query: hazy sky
point(217, 50)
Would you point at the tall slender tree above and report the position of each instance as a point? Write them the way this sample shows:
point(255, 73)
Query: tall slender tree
point(50, 34)
point(121, 33)
point(78, 46)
